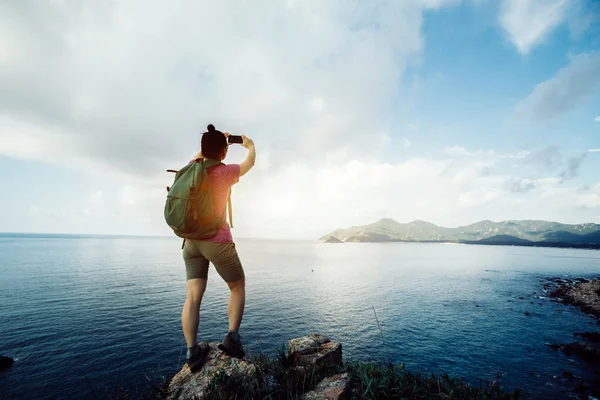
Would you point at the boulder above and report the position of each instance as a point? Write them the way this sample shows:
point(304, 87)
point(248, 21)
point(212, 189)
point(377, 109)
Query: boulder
point(333, 388)
point(314, 350)
point(186, 385)
point(591, 336)
point(6, 362)
point(587, 352)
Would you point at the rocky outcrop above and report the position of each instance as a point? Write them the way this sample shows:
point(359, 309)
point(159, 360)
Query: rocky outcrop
point(331, 239)
point(225, 375)
point(581, 293)
point(333, 388)
point(586, 351)
point(218, 365)
point(591, 336)
point(314, 349)
point(336, 387)
point(6, 362)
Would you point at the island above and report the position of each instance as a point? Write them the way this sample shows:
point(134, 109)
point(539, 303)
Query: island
point(505, 233)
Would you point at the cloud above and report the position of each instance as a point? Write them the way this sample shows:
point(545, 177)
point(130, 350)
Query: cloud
point(549, 157)
point(307, 200)
point(590, 198)
point(570, 87)
point(597, 119)
point(130, 91)
point(519, 185)
point(442, 190)
point(529, 22)
point(573, 165)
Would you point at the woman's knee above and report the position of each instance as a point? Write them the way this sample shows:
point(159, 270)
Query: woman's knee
point(196, 288)
point(237, 286)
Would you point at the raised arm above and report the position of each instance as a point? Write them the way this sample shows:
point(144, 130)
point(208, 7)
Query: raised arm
point(248, 163)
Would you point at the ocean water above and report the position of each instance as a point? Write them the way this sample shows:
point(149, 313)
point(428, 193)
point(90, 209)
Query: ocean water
point(81, 314)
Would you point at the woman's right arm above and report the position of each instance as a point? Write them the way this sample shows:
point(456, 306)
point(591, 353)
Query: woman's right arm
point(248, 163)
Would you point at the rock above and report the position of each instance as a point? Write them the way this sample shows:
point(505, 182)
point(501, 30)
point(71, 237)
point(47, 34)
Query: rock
point(332, 239)
point(186, 385)
point(553, 346)
point(526, 313)
point(592, 336)
point(6, 362)
point(568, 375)
point(314, 349)
point(580, 388)
point(332, 388)
point(584, 351)
point(521, 298)
point(584, 294)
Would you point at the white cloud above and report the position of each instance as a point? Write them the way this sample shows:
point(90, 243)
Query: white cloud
point(317, 104)
point(590, 198)
point(529, 22)
point(571, 86)
point(597, 119)
point(129, 86)
point(306, 200)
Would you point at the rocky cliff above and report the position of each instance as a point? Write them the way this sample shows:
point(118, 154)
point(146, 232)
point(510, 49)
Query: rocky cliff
point(225, 377)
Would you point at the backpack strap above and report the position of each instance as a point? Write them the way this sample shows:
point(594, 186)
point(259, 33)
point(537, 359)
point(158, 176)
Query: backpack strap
point(208, 163)
point(229, 209)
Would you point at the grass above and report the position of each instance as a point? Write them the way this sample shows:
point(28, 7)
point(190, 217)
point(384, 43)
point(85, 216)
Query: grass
point(377, 381)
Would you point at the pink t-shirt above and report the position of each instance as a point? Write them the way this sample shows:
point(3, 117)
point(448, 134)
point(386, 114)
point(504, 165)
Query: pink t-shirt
point(221, 178)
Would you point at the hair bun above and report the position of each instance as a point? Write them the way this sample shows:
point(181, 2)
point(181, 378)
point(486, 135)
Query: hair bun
point(211, 128)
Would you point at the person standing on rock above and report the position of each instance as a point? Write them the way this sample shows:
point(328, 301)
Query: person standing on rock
point(216, 245)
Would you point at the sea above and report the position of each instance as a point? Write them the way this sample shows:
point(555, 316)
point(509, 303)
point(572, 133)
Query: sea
point(86, 315)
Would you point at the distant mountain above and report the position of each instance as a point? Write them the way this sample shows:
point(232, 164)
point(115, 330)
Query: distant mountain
point(521, 233)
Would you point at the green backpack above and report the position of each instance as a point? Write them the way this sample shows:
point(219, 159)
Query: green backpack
point(189, 209)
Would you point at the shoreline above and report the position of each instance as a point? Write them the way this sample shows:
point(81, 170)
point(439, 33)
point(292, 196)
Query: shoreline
point(556, 245)
point(581, 293)
point(584, 295)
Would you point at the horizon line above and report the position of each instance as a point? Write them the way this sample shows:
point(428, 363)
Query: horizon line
point(125, 235)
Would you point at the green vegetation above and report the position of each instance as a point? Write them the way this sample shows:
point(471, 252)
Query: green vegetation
point(521, 233)
point(376, 381)
point(276, 380)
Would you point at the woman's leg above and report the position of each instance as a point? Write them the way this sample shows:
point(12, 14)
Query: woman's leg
point(235, 307)
point(190, 315)
point(196, 272)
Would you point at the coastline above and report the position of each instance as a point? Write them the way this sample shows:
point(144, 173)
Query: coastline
point(557, 245)
point(583, 294)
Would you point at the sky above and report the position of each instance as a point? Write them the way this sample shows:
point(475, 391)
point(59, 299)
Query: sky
point(447, 111)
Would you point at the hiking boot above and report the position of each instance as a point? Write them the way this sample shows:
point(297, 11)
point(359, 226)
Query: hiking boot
point(196, 361)
point(232, 348)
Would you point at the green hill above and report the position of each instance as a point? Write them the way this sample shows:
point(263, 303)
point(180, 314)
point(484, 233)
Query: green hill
point(524, 233)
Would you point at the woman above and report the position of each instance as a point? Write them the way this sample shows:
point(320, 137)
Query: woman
point(220, 250)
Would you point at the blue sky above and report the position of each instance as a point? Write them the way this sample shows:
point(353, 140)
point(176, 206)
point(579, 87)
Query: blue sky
point(443, 110)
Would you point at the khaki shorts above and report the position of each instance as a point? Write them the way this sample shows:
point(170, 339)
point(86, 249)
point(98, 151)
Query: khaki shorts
point(197, 254)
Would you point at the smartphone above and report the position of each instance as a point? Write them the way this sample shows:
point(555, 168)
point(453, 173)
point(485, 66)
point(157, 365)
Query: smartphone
point(235, 139)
